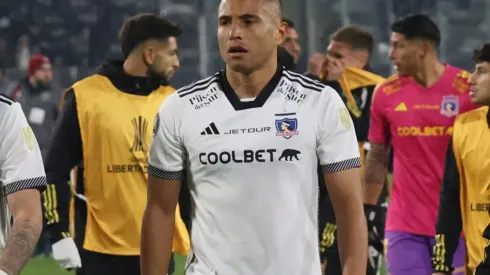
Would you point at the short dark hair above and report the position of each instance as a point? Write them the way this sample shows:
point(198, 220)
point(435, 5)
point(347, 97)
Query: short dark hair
point(145, 26)
point(355, 36)
point(418, 26)
point(482, 54)
point(288, 21)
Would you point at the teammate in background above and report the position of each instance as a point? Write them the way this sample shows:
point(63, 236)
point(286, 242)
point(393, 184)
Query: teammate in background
point(289, 51)
point(106, 122)
point(465, 189)
point(409, 112)
point(348, 54)
point(291, 40)
point(22, 179)
point(254, 187)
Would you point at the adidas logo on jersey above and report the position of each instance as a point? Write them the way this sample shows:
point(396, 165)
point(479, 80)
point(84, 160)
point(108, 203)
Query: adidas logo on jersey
point(401, 107)
point(210, 130)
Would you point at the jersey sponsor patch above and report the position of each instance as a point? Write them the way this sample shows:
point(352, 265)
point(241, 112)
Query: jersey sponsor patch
point(248, 156)
point(450, 106)
point(345, 118)
point(29, 138)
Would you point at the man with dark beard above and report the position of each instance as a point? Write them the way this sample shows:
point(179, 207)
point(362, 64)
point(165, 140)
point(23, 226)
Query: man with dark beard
point(106, 126)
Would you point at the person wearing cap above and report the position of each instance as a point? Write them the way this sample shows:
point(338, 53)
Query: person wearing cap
point(38, 101)
point(106, 124)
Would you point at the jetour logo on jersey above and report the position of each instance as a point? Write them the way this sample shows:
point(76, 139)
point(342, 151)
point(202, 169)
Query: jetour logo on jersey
point(287, 127)
point(450, 106)
point(248, 156)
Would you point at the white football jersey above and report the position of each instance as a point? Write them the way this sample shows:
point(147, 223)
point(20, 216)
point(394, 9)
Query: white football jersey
point(253, 170)
point(21, 165)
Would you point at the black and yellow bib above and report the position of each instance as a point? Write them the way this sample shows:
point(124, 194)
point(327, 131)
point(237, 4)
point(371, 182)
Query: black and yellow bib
point(116, 131)
point(471, 144)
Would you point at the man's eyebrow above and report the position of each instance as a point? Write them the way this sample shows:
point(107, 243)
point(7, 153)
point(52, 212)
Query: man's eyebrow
point(223, 17)
point(249, 16)
point(246, 16)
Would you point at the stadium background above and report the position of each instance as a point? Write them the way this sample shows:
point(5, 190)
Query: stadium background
point(78, 34)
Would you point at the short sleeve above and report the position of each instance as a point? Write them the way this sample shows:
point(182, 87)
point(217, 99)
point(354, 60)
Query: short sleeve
point(167, 151)
point(379, 128)
point(337, 147)
point(21, 165)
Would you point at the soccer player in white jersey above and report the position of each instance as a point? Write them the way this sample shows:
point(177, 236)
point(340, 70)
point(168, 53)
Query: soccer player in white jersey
point(250, 137)
point(22, 179)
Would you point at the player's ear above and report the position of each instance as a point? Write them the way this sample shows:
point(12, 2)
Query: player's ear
point(426, 48)
point(147, 54)
point(281, 33)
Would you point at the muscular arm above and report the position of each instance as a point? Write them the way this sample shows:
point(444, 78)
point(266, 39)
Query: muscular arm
point(339, 156)
point(22, 177)
point(344, 188)
point(375, 173)
point(25, 206)
point(158, 225)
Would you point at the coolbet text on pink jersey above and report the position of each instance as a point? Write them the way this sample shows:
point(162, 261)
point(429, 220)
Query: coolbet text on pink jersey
point(418, 122)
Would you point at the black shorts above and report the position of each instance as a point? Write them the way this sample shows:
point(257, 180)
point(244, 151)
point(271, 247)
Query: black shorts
point(102, 264)
point(94, 263)
point(328, 240)
point(332, 257)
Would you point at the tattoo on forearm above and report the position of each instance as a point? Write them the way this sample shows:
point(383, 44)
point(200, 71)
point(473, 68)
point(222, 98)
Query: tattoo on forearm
point(376, 161)
point(20, 245)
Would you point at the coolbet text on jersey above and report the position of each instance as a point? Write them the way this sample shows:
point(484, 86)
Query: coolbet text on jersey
point(418, 122)
point(253, 179)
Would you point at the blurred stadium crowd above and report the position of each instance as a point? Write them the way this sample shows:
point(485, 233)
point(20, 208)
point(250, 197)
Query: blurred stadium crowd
point(77, 34)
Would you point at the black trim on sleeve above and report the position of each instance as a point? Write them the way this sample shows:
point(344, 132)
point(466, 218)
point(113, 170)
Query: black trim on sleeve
point(6, 100)
point(32, 183)
point(165, 175)
point(449, 221)
point(342, 165)
point(64, 153)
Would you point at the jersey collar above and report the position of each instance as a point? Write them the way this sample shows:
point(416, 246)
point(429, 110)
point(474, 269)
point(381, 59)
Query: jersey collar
point(259, 100)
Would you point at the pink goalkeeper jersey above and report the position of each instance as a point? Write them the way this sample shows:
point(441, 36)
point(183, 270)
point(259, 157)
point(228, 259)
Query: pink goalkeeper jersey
point(418, 122)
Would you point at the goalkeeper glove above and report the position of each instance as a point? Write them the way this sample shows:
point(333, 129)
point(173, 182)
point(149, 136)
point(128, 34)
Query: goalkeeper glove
point(65, 252)
point(375, 216)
